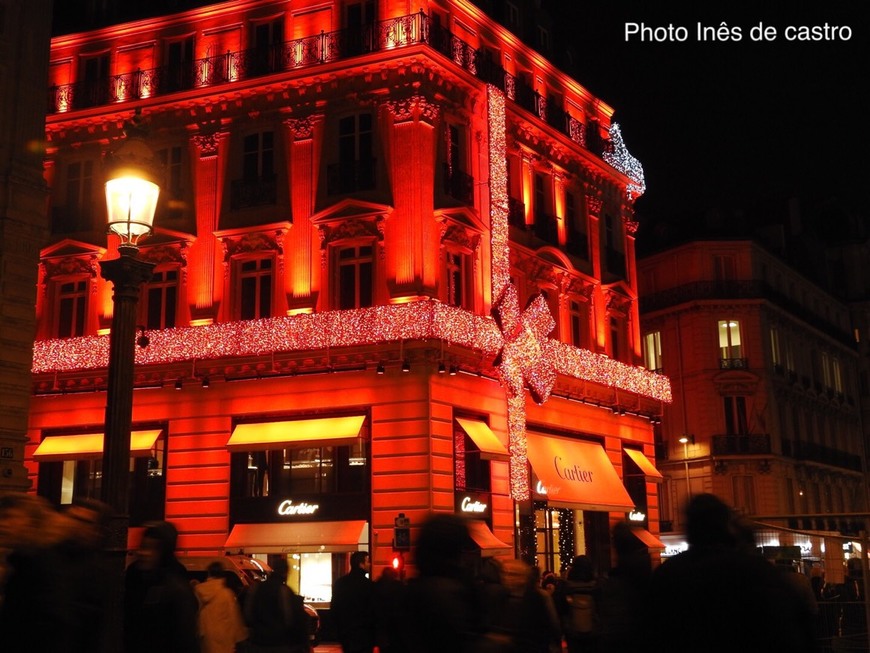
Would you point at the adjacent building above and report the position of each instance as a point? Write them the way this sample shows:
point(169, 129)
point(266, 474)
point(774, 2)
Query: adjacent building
point(395, 275)
point(766, 410)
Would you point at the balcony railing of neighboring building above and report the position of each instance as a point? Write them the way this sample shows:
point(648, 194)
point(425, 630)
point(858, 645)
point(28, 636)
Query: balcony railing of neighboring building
point(738, 445)
point(516, 213)
point(259, 191)
point(230, 67)
point(733, 363)
point(458, 185)
point(755, 289)
point(351, 177)
point(800, 450)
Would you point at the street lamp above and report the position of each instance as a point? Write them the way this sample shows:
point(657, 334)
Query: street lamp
point(131, 200)
point(685, 442)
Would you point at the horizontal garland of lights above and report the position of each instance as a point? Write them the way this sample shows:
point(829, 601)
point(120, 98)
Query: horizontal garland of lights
point(421, 320)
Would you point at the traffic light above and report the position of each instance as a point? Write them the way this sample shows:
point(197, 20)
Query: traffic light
point(399, 563)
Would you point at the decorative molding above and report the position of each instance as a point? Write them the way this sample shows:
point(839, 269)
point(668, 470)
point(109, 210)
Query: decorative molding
point(207, 144)
point(302, 129)
point(415, 107)
point(70, 266)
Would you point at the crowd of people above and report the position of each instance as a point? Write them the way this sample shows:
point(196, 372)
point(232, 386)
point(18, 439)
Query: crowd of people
point(719, 595)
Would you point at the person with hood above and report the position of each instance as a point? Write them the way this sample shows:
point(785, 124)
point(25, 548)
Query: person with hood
point(160, 608)
point(220, 618)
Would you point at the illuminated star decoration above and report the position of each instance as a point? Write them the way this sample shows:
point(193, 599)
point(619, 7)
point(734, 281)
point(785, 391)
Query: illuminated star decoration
point(523, 361)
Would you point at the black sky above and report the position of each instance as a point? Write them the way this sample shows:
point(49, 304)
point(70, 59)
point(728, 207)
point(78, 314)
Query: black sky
point(739, 124)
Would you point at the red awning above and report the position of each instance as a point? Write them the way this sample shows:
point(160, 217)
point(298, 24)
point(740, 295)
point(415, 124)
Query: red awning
point(577, 474)
point(489, 544)
point(490, 446)
point(649, 540)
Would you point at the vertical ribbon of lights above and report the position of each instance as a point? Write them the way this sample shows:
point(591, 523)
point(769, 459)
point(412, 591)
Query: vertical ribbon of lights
point(523, 359)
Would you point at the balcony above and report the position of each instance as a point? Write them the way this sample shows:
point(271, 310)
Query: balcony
point(259, 191)
point(546, 229)
point(458, 185)
point(800, 450)
point(350, 177)
point(231, 67)
point(516, 213)
point(733, 363)
point(740, 445)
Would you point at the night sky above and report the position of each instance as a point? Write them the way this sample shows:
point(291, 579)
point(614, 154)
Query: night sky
point(740, 126)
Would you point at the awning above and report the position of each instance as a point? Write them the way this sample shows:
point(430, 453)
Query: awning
point(649, 540)
point(490, 446)
point(326, 431)
point(577, 474)
point(90, 446)
point(649, 470)
point(489, 544)
point(298, 537)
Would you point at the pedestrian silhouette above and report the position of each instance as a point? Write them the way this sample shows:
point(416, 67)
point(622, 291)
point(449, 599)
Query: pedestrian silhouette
point(221, 625)
point(275, 615)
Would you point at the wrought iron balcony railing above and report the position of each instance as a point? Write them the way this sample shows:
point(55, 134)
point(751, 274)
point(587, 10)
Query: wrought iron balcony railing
point(317, 49)
point(733, 363)
point(546, 229)
point(350, 177)
point(800, 450)
point(731, 445)
point(516, 213)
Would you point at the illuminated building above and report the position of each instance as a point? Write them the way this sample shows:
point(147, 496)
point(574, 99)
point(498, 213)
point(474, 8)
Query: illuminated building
point(766, 396)
point(358, 202)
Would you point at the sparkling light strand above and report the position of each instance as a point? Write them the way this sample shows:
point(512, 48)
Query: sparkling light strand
point(618, 156)
point(498, 191)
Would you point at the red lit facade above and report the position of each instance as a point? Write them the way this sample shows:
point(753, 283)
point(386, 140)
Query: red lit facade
point(359, 201)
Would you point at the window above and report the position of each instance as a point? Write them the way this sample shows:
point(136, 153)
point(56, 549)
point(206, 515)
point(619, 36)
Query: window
point(837, 375)
point(79, 195)
point(458, 184)
point(267, 39)
point(652, 351)
point(744, 494)
point(170, 161)
point(71, 308)
point(775, 355)
point(730, 350)
point(301, 471)
point(471, 472)
point(578, 320)
point(258, 158)
point(577, 241)
point(161, 300)
point(64, 482)
point(355, 268)
point(355, 170)
point(615, 338)
point(178, 74)
point(254, 288)
point(457, 265)
point(724, 268)
point(93, 88)
point(735, 416)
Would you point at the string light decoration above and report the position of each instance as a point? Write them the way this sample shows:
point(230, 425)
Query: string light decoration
point(525, 356)
point(618, 156)
point(523, 362)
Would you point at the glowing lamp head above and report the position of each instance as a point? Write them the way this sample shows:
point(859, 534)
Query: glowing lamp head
point(131, 189)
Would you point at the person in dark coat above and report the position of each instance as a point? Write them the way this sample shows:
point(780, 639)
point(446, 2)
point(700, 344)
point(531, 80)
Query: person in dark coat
point(160, 608)
point(275, 615)
point(442, 606)
point(34, 606)
point(720, 597)
point(390, 621)
point(353, 606)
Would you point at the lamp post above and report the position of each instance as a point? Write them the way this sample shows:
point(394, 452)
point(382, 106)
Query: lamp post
point(131, 200)
point(685, 442)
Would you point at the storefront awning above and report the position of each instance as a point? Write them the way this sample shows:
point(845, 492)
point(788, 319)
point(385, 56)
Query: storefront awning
point(326, 431)
point(298, 537)
point(489, 544)
point(89, 446)
point(649, 540)
point(649, 470)
point(577, 475)
point(490, 446)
